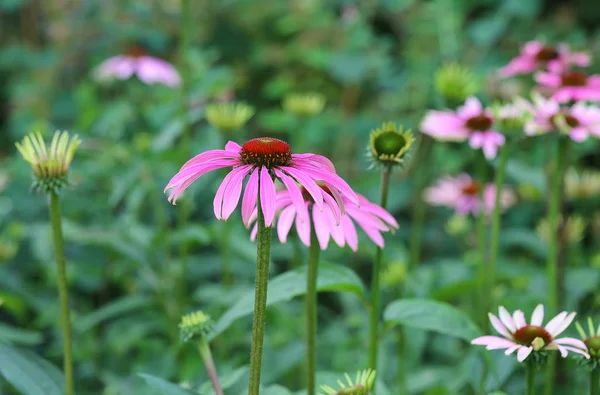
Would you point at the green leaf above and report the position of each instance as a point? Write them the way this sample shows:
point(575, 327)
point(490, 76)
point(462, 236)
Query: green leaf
point(434, 316)
point(114, 309)
point(161, 386)
point(11, 334)
point(288, 285)
point(28, 373)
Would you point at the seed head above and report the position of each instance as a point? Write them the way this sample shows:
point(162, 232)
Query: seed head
point(389, 144)
point(362, 384)
point(304, 105)
point(229, 117)
point(573, 229)
point(50, 164)
point(591, 338)
point(194, 324)
point(455, 82)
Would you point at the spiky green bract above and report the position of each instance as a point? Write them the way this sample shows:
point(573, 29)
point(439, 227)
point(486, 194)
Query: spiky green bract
point(229, 117)
point(362, 384)
point(194, 325)
point(389, 145)
point(591, 338)
point(304, 104)
point(455, 82)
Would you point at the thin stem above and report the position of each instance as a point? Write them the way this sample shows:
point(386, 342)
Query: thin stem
point(209, 363)
point(57, 238)
point(495, 231)
point(420, 207)
point(481, 245)
point(263, 252)
point(530, 377)
point(311, 311)
point(594, 378)
point(375, 292)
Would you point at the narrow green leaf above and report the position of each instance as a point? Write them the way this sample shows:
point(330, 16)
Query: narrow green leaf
point(11, 334)
point(118, 308)
point(162, 386)
point(433, 316)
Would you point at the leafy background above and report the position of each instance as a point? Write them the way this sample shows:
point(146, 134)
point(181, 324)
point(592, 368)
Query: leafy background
point(127, 248)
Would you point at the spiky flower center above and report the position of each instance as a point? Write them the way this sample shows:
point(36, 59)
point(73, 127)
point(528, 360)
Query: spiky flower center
point(266, 151)
point(569, 119)
point(546, 54)
point(593, 344)
point(471, 189)
point(480, 122)
point(527, 334)
point(389, 143)
point(574, 78)
point(136, 51)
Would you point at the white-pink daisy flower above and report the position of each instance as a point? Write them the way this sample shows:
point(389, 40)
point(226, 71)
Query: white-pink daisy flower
point(264, 159)
point(519, 336)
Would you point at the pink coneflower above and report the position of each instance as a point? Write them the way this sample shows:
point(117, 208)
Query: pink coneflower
point(149, 70)
point(463, 194)
point(264, 159)
point(520, 337)
point(579, 121)
point(470, 122)
point(328, 223)
point(566, 85)
point(535, 55)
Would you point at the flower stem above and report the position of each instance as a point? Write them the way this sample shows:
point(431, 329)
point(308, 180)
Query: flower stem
point(57, 238)
point(209, 363)
point(263, 252)
point(375, 292)
point(311, 311)
point(594, 378)
point(530, 377)
point(481, 245)
point(420, 207)
point(495, 231)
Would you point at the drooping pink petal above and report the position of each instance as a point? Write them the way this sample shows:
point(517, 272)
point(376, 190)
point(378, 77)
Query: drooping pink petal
point(209, 156)
point(512, 349)
point(492, 341)
point(267, 196)
point(571, 342)
point(303, 230)
point(285, 222)
point(497, 324)
point(524, 353)
point(336, 231)
point(180, 184)
point(120, 67)
point(196, 171)
point(307, 182)
point(233, 191)
point(318, 161)
point(294, 192)
point(547, 79)
point(349, 232)
point(334, 180)
point(152, 70)
point(250, 196)
point(444, 126)
point(333, 205)
point(321, 227)
point(564, 351)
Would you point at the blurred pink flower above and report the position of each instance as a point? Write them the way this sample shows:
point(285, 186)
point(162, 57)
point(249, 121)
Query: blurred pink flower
point(149, 70)
point(471, 121)
point(464, 195)
point(262, 159)
point(518, 336)
point(372, 218)
point(565, 85)
point(579, 121)
point(535, 55)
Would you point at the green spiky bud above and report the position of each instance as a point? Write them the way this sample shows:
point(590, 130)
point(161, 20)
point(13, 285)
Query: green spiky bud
point(229, 117)
point(304, 104)
point(362, 384)
point(389, 144)
point(455, 82)
point(195, 324)
point(573, 229)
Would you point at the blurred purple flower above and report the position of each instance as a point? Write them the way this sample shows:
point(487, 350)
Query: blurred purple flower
point(566, 85)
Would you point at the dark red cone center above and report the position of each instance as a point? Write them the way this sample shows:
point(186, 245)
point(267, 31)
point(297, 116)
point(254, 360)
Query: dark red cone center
point(527, 335)
point(574, 78)
point(266, 151)
point(137, 52)
point(570, 120)
point(471, 189)
point(480, 122)
point(546, 54)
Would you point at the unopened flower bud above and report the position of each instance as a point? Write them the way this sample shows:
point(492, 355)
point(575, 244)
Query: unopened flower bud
point(229, 117)
point(390, 144)
point(304, 105)
point(195, 324)
point(455, 83)
point(362, 384)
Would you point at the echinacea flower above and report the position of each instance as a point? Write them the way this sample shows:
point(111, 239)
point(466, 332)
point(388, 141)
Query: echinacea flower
point(362, 384)
point(229, 117)
point(149, 70)
point(465, 195)
point(525, 338)
point(591, 339)
point(572, 229)
point(263, 159)
point(566, 85)
point(578, 121)
point(470, 122)
point(536, 55)
point(329, 222)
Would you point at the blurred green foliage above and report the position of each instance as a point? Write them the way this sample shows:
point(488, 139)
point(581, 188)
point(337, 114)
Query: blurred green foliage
point(127, 247)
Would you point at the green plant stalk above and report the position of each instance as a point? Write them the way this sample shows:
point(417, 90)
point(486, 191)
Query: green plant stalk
point(481, 246)
point(57, 238)
point(495, 231)
point(311, 311)
point(209, 363)
point(263, 252)
point(530, 378)
point(594, 378)
point(420, 207)
point(375, 281)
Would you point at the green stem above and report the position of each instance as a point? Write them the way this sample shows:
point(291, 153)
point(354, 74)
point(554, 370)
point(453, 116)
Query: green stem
point(209, 363)
point(495, 231)
point(594, 378)
point(481, 246)
point(57, 238)
point(420, 206)
point(263, 252)
point(311, 311)
point(530, 377)
point(375, 292)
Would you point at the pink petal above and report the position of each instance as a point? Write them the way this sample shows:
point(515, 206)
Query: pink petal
point(571, 342)
point(547, 79)
point(512, 349)
point(321, 228)
point(316, 160)
point(303, 230)
point(444, 126)
point(254, 232)
point(564, 325)
point(233, 191)
point(250, 196)
point(493, 342)
point(555, 322)
point(470, 109)
point(295, 193)
point(335, 180)
point(506, 319)
point(181, 183)
point(524, 353)
point(578, 134)
point(267, 196)
point(349, 232)
point(152, 70)
point(221, 198)
point(333, 206)
point(519, 318)
point(308, 183)
point(538, 315)
point(285, 222)
point(497, 324)
point(120, 67)
point(233, 147)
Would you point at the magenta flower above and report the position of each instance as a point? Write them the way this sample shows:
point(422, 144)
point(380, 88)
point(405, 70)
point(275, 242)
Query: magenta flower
point(470, 122)
point(463, 194)
point(535, 55)
point(520, 337)
point(579, 121)
point(328, 222)
point(264, 159)
point(565, 85)
point(149, 70)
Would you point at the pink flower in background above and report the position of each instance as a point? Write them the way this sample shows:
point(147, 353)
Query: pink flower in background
point(579, 121)
point(535, 55)
point(464, 195)
point(470, 122)
point(262, 159)
point(567, 85)
point(372, 218)
point(149, 70)
point(521, 337)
